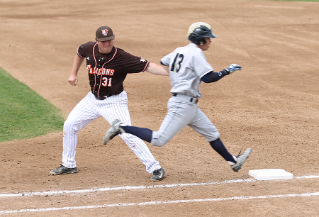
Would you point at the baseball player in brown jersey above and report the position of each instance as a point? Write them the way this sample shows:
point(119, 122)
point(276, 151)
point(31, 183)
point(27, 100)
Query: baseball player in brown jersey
point(107, 69)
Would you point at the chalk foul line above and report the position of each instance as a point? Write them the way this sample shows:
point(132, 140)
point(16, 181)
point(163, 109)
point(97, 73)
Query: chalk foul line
point(48, 193)
point(161, 202)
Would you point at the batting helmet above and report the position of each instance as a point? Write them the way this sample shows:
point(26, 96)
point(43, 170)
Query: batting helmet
point(197, 33)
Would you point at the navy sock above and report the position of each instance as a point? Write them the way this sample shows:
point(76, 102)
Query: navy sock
point(142, 133)
point(219, 147)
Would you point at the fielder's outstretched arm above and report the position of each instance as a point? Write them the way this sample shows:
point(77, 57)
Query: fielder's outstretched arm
point(157, 69)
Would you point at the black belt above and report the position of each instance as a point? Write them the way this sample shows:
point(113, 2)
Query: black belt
point(104, 97)
point(100, 97)
point(191, 99)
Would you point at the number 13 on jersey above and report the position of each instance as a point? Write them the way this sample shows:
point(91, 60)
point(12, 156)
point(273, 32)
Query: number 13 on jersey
point(176, 66)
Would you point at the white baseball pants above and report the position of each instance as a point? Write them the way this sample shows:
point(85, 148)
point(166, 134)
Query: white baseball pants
point(180, 113)
point(111, 108)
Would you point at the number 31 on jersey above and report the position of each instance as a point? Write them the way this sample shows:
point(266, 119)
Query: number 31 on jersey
point(107, 82)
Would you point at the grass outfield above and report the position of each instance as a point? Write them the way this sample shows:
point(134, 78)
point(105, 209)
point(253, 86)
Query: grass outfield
point(23, 112)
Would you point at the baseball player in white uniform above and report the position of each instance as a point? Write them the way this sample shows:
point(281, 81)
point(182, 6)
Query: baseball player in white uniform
point(187, 67)
point(107, 68)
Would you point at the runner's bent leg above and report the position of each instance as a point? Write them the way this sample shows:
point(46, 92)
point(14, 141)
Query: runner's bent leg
point(206, 128)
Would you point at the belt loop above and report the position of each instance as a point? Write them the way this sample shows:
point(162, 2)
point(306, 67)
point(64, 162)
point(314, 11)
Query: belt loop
point(194, 99)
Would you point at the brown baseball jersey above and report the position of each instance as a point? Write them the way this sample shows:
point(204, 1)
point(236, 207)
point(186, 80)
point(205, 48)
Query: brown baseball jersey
point(107, 72)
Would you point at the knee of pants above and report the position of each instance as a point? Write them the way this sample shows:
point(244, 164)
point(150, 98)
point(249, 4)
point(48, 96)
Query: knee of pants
point(213, 136)
point(70, 126)
point(159, 140)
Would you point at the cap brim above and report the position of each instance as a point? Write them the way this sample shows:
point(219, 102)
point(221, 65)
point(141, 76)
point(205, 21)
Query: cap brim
point(213, 36)
point(105, 38)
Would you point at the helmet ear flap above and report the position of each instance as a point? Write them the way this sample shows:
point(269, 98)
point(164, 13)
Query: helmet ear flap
point(202, 42)
point(193, 39)
point(197, 39)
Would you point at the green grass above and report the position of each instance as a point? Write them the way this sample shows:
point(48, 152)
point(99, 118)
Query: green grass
point(23, 112)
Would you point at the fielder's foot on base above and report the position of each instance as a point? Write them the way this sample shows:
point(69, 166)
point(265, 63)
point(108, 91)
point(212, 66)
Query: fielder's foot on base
point(158, 175)
point(241, 158)
point(63, 170)
point(113, 131)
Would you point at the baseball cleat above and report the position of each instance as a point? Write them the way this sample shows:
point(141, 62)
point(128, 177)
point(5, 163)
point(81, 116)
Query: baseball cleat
point(63, 170)
point(113, 131)
point(241, 158)
point(158, 175)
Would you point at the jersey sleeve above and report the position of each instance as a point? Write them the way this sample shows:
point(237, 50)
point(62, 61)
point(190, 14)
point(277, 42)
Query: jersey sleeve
point(83, 49)
point(166, 60)
point(134, 64)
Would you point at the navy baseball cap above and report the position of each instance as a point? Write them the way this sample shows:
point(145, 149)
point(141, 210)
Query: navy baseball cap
point(104, 33)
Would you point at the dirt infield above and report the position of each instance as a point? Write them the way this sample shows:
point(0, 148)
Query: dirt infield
point(272, 106)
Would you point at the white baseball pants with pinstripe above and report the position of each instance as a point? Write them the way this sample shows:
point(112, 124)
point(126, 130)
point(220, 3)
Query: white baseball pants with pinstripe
point(111, 108)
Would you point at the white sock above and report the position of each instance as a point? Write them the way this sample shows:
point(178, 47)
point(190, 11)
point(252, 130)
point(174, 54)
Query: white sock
point(232, 163)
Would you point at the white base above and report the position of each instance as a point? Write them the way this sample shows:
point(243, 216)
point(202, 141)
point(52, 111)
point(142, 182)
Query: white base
point(270, 174)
